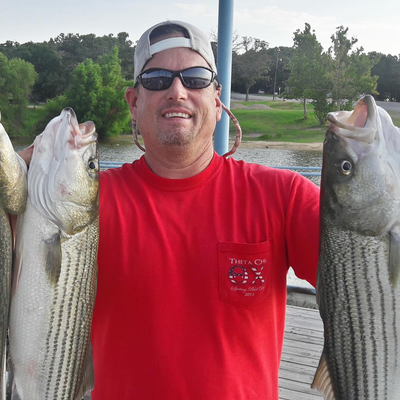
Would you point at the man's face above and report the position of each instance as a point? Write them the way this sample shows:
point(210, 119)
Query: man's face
point(177, 116)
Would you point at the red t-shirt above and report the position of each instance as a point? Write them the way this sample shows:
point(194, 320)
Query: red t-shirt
point(192, 280)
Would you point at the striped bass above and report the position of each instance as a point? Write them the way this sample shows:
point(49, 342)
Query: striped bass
point(54, 279)
point(357, 287)
point(13, 193)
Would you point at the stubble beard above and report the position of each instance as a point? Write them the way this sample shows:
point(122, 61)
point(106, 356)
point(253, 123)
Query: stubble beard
point(175, 137)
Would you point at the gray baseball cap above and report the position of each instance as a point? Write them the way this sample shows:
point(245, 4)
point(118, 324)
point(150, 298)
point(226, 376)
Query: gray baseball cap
point(197, 41)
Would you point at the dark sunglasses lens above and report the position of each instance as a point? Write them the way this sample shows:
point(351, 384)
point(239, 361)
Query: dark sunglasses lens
point(156, 80)
point(197, 78)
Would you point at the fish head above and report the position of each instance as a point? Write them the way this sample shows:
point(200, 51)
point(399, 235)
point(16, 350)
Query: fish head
point(361, 169)
point(63, 178)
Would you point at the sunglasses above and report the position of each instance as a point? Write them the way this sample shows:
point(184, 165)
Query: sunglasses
point(192, 78)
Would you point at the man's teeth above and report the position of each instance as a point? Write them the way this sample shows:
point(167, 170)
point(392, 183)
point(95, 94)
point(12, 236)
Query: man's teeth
point(179, 115)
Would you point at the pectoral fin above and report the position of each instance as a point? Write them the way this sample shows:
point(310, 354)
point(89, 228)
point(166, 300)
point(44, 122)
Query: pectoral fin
point(53, 258)
point(87, 382)
point(394, 258)
point(14, 393)
point(322, 380)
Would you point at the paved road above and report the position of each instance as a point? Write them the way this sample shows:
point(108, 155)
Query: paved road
point(386, 105)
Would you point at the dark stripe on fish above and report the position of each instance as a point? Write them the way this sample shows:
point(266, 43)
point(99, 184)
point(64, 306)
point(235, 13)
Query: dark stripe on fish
point(364, 370)
point(383, 315)
point(394, 310)
point(352, 373)
point(364, 256)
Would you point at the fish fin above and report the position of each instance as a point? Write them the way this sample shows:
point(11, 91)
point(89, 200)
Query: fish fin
point(322, 380)
point(53, 258)
point(14, 393)
point(87, 382)
point(16, 272)
point(3, 379)
point(394, 258)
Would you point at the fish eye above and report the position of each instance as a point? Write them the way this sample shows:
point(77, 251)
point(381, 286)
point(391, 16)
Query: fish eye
point(92, 165)
point(346, 167)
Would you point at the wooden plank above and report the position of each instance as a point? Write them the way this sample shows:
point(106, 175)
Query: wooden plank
point(295, 344)
point(302, 348)
point(285, 394)
point(287, 366)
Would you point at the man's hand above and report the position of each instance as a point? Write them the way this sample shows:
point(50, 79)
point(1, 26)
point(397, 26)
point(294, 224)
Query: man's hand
point(26, 154)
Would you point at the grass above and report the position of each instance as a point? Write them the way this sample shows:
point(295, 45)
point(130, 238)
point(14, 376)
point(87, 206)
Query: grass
point(395, 117)
point(285, 122)
point(278, 104)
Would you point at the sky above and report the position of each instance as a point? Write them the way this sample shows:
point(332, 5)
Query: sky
point(375, 23)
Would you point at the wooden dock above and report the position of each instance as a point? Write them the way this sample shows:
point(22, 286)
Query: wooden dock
point(302, 348)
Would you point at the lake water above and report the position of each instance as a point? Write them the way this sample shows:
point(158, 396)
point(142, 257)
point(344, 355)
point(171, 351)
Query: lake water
point(124, 150)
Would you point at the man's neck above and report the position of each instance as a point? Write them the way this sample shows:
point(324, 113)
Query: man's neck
point(179, 163)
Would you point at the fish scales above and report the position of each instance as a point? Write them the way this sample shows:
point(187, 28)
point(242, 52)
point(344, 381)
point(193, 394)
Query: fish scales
point(75, 287)
point(13, 194)
point(359, 307)
point(359, 265)
point(5, 284)
point(55, 274)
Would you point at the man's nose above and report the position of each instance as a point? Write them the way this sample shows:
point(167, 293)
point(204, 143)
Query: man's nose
point(177, 91)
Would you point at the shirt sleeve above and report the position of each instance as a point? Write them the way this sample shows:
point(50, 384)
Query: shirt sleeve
point(302, 228)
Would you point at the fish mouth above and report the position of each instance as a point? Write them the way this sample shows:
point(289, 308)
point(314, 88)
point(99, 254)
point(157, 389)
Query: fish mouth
point(359, 124)
point(82, 134)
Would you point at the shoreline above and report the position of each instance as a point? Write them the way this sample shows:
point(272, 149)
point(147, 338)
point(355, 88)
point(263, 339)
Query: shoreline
point(260, 144)
point(245, 144)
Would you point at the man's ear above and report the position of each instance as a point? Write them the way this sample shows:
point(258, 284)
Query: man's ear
point(218, 102)
point(131, 96)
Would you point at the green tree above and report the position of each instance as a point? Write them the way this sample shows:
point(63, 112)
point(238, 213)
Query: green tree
point(349, 71)
point(388, 71)
point(278, 68)
point(16, 80)
point(113, 106)
point(96, 93)
point(307, 69)
point(55, 60)
point(251, 66)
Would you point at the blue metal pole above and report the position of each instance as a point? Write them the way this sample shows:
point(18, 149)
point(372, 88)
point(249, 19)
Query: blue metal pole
point(224, 65)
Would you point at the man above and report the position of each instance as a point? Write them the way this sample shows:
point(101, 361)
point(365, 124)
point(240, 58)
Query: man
point(194, 248)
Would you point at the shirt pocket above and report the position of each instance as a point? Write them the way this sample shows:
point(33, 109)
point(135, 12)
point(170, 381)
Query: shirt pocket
point(244, 272)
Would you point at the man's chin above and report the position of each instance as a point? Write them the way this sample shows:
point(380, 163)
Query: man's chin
point(175, 138)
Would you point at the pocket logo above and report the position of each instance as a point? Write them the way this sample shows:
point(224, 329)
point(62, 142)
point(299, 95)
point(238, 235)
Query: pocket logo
point(244, 273)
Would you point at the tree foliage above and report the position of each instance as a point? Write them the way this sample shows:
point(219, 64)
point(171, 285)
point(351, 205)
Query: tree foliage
point(349, 71)
point(388, 70)
point(251, 65)
point(307, 78)
point(89, 74)
point(96, 93)
point(56, 59)
point(340, 74)
point(16, 80)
